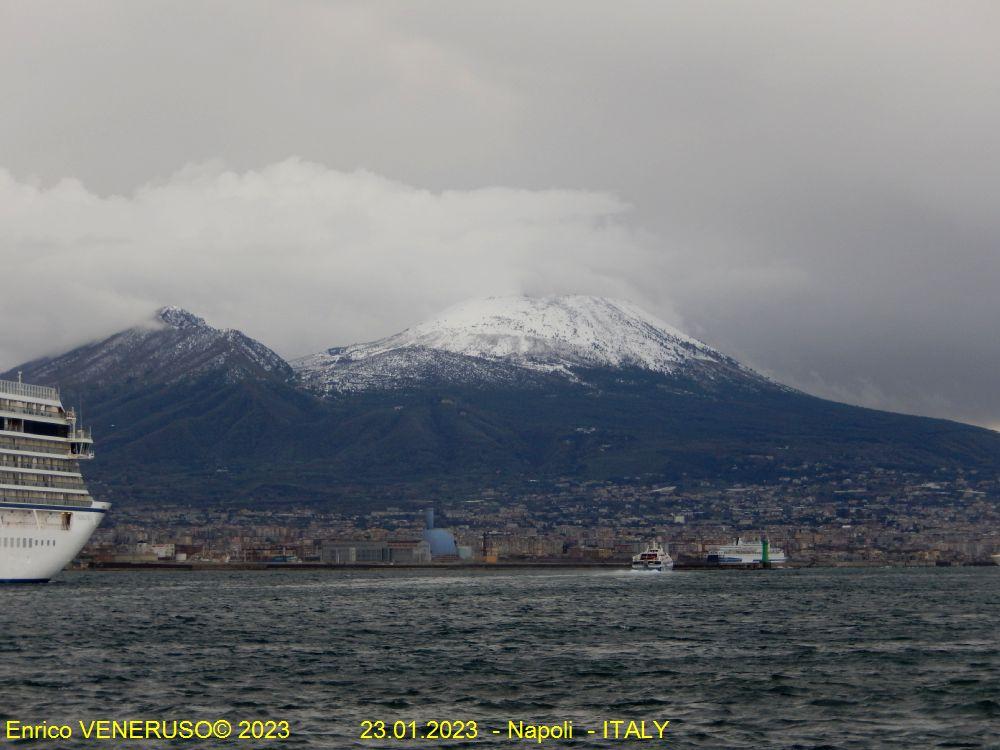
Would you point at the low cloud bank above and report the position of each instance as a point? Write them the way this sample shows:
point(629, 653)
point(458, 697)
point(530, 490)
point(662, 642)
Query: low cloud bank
point(295, 254)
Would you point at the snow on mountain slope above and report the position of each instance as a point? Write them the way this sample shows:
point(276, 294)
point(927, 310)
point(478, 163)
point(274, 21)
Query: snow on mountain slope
point(173, 345)
point(500, 339)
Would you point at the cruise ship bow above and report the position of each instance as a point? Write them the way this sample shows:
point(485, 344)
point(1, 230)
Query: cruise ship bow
point(46, 512)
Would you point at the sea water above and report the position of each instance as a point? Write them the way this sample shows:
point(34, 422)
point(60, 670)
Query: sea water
point(859, 658)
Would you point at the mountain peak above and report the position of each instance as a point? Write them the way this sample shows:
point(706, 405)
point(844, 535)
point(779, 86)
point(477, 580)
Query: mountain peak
point(559, 330)
point(179, 318)
point(518, 336)
point(174, 345)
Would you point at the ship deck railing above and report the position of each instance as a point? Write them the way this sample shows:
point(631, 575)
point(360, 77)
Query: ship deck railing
point(33, 409)
point(72, 502)
point(31, 391)
point(34, 481)
point(58, 450)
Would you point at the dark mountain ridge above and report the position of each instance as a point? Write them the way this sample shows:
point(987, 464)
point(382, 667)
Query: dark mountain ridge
point(183, 412)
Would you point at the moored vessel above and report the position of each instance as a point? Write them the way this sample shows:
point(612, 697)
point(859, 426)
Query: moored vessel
point(653, 559)
point(46, 512)
point(744, 552)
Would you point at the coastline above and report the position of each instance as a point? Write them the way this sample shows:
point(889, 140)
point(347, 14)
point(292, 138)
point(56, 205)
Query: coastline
point(476, 566)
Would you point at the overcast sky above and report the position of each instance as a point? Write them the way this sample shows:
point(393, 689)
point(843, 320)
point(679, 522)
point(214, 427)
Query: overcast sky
point(812, 187)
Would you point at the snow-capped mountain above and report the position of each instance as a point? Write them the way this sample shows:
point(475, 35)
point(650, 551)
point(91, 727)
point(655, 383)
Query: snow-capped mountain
point(512, 339)
point(500, 392)
point(172, 345)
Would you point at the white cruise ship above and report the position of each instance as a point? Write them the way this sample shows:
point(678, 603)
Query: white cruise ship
point(745, 552)
point(46, 513)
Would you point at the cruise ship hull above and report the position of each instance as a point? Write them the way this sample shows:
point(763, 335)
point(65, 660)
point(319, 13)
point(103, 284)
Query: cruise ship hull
point(46, 512)
point(37, 542)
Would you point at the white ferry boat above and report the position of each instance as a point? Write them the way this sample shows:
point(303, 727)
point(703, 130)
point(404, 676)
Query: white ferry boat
point(746, 552)
point(46, 513)
point(654, 558)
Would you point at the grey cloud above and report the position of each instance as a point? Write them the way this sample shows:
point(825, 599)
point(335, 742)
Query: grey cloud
point(298, 255)
point(813, 186)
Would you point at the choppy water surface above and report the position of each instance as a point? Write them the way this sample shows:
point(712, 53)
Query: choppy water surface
point(776, 659)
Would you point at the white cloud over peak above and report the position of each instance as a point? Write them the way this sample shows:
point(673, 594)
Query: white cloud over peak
point(811, 185)
point(296, 254)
